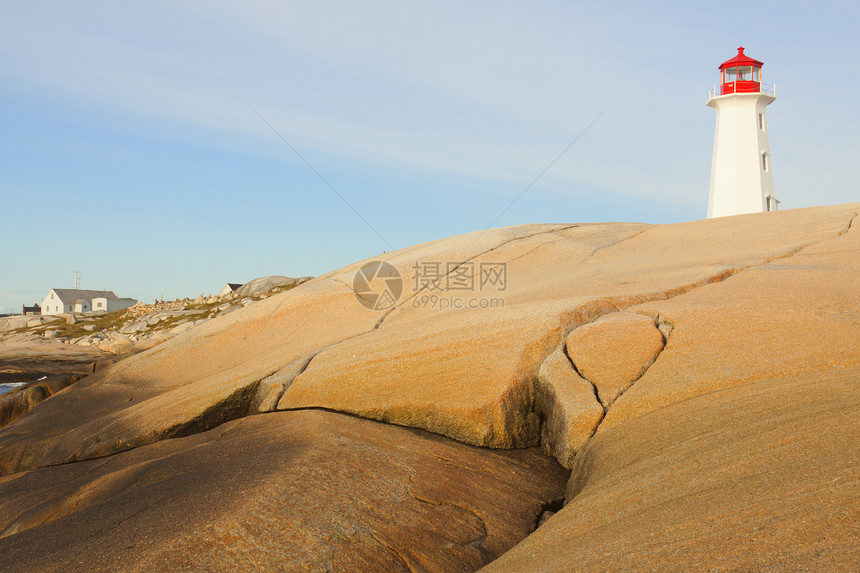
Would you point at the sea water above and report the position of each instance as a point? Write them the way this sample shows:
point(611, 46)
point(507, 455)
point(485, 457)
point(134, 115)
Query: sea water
point(11, 386)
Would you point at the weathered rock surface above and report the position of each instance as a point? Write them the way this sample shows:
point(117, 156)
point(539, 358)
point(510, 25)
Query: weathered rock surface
point(737, 449)
point(287, 491)
point(568, 406)
point(614, 351)
point(717, 348)
point(757, 477)
point(39, 357)
point(464, 373)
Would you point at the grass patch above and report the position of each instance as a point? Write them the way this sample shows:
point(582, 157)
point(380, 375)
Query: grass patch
point(101, 322)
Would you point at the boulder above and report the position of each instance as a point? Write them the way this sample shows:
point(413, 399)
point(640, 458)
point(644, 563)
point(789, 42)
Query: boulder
point(116, 343)
point(14, 322)
point(135, 327)
point(265, 284)
point(288, 491)
point(116, 346)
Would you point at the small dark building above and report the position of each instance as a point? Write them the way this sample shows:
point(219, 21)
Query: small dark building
point(31, 310)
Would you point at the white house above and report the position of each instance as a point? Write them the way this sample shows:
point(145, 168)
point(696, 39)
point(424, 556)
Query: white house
point(61, 300)
point(229, 288)
point(112, 304)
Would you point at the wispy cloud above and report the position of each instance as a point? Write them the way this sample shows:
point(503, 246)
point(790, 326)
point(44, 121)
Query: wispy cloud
point(469, 89)
point(476, 91)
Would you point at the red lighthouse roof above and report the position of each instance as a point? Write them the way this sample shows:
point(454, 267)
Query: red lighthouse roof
point(741, 60)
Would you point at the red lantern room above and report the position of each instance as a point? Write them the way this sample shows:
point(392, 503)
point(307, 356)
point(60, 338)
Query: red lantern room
point(741, 74)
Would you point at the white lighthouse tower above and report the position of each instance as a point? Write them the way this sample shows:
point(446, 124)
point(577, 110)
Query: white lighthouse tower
point(741, 172)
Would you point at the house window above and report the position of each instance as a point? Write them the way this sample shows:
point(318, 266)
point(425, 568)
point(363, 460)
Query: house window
point(764, 161)
point(761, 121)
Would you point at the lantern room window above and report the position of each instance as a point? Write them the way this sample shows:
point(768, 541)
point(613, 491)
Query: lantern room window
point(731, 75)
point(742, 74)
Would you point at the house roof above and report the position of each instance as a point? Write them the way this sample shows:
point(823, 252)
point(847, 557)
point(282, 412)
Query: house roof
point(71, 295)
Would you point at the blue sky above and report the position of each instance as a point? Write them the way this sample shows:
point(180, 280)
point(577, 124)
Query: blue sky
point(131, 149)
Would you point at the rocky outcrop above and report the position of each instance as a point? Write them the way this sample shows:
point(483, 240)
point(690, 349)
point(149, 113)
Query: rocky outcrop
point(142, 325)
point(736, 449)
point(267, 284)
point(664, 364)
point(756, 477)
point(466, 373)
point(289, 491)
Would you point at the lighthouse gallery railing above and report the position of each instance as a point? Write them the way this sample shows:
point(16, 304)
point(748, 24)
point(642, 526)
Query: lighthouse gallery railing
point(769, 89)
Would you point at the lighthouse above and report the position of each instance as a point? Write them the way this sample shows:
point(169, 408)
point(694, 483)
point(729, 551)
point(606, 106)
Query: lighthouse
point(741, 170)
